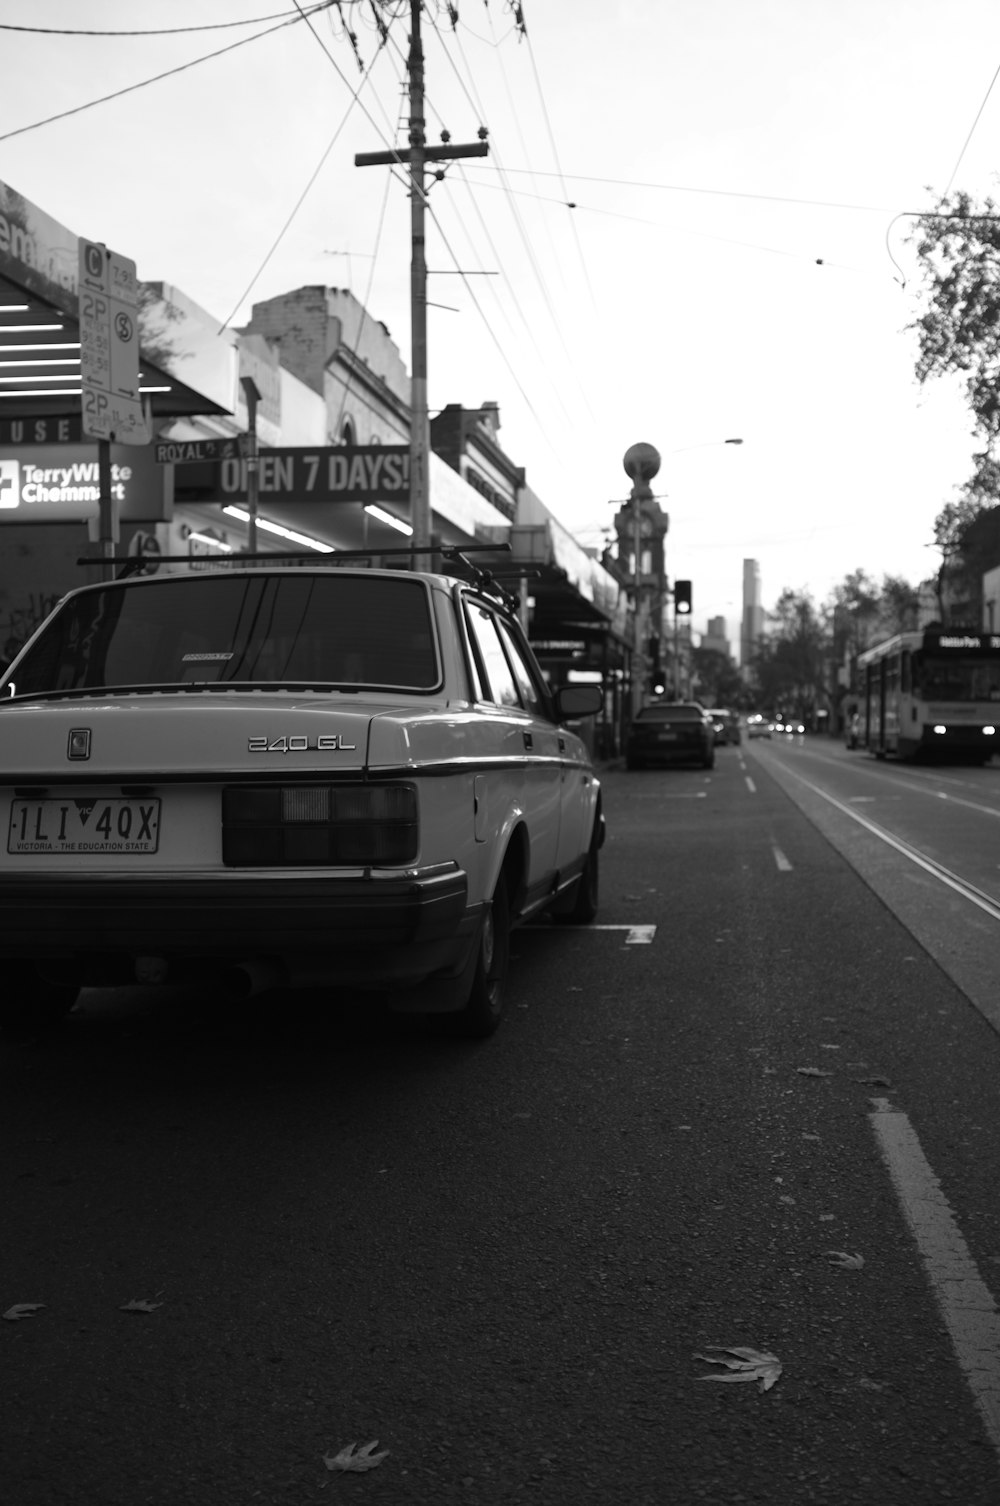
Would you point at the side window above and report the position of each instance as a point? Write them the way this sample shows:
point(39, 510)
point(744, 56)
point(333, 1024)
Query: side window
point(500, 688)
point(525, 680)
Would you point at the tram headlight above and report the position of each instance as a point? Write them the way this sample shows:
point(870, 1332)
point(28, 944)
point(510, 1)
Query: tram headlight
point(940, 729)
point(989, 731)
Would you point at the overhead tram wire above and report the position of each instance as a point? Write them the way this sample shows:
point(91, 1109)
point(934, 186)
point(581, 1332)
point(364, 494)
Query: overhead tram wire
point(555, 154)
point(635, 219)
point(972, 130)
point(295, 208)
point(723, 193)
point(478, 108)
point(364, 306)
point(488, 326)
point(158, 77)
point(547, 298)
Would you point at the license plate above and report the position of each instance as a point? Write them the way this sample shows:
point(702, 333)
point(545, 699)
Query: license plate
point(81, 824)
point(667, 737)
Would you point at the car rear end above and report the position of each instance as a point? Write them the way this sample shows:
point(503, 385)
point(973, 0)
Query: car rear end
point(247, 809)
point(670, 732)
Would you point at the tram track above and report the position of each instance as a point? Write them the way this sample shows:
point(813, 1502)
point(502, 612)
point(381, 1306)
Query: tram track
point(923, 860)
point(937, 871)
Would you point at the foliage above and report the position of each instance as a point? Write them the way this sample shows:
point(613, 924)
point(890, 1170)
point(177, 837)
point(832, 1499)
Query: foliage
point(797, 667)
point(717, 678)
point(958, 246)
point(790, 663)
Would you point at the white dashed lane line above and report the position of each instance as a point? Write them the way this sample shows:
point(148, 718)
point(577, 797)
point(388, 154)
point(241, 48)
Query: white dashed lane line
point(784, 866)
point(966, 1304)
point(750, 785)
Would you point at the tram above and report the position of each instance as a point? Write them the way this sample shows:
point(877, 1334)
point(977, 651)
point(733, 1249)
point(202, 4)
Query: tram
point(933, 694)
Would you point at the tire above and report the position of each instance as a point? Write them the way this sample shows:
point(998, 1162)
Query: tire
point(709, 762)
point(484, 1007)
point(29, 1003)
point(586, 895)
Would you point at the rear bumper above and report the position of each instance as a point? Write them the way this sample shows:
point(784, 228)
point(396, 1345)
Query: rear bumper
point(670, 752)
point(375, 931)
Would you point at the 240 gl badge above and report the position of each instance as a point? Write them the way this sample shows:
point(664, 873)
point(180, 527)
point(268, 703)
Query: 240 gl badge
point(331, 742)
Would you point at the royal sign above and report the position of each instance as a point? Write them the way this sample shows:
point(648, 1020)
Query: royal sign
point(191, 451)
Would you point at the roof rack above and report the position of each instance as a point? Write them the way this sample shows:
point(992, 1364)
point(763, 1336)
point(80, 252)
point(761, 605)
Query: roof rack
point(136, 564)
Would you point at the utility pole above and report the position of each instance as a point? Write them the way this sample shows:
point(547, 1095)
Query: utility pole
point(415, 160)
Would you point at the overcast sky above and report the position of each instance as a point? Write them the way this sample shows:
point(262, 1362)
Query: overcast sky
point(740, 172)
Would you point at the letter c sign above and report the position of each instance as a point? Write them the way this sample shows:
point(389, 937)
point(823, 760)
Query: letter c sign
point(94, 261)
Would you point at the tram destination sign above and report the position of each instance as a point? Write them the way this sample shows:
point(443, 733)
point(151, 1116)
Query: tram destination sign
point(961, 641)
point(332, 473)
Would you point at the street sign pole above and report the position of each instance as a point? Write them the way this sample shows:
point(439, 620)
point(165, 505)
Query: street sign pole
point(109, 370)
point(252, 395)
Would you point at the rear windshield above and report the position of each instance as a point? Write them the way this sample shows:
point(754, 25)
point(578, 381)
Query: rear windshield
point(679, 713)
point(295, 629)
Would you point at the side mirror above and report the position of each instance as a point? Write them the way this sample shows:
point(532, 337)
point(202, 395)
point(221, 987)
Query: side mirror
point(578, 700)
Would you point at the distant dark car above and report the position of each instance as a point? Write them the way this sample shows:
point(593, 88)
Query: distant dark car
point(759, 726)
point(671, 732)
point(726, 725)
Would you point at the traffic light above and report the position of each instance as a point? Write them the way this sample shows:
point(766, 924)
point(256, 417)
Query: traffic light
point(682, 598)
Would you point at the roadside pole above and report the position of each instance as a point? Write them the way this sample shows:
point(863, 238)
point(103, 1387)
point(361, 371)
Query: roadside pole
point(415, 160)
point(252, 395)
point(108, 292)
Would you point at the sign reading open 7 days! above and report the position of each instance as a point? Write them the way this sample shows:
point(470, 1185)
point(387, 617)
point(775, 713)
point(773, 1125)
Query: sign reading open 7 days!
point(109, 346)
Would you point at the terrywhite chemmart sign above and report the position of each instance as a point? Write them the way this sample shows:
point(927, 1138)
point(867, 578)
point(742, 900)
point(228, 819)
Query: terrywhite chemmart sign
point(61, 484)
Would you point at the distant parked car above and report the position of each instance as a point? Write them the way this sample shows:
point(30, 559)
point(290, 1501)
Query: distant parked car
point(671, 732)
point(726, 725)
point(758, 726)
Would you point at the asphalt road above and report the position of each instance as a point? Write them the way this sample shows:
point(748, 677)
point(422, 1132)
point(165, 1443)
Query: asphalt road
point(501, 1260)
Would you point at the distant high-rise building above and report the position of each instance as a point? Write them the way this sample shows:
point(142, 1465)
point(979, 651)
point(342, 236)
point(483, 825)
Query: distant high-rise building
point(752, 626)
point(716, 638)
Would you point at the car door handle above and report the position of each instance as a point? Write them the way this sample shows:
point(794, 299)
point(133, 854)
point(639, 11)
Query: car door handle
point(529, 741)
point(562, 745)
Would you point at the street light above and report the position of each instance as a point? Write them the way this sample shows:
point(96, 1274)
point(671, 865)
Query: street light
point(641, 462)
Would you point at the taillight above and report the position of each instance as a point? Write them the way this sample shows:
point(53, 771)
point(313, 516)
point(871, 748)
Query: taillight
point(301, 824)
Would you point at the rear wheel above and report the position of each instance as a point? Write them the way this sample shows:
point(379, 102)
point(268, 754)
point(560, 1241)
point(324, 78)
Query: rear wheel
point(484, 1008)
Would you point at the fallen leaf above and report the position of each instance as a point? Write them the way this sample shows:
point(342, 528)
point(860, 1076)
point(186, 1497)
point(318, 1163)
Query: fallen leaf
point(810, 1137)
point(787, 1199)
point(875, 1082)
point(22, 1310)
point(826, 1218)
point(813, 1072)
point(746, 1365)
point(139, 1305)
point(827, 1046)
point(870, 1385)
point(353, 1458)
point(844, 1261)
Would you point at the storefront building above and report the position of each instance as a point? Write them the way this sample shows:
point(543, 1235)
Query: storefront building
point(330, 405)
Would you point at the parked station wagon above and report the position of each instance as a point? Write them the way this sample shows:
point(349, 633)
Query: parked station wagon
point(327, 775)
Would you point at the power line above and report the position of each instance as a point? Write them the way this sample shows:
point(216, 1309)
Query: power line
point(724, 193)
point(166, 31)
point(170, 72)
